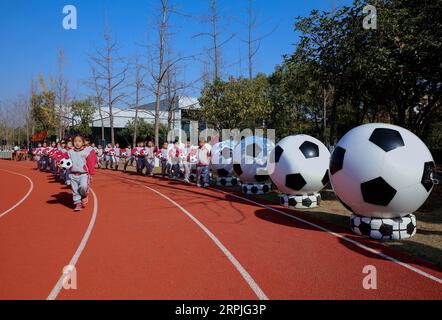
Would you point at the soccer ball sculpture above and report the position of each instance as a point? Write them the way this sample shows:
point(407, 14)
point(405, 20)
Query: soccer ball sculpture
point(382, 173)
point(250, 164)
point(298, 166)
point(222, 163)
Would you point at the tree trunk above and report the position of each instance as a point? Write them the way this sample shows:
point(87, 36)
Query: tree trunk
point(160, 74)
point(100, 112)
point(99, 101)
point(137, 101)
point(249, 40)
point(109, 91)
point(215, 39)
point(333, 116)
point(324, 117)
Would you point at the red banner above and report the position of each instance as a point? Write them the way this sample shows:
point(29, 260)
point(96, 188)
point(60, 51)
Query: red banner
point(40, 136)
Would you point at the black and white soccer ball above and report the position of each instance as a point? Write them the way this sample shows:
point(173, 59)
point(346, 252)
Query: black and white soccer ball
point(250, 157)
point(299, 165)
point(66, 163)
point(381, 170)
point(222, 158)
point(384, 229)
point(193, 159)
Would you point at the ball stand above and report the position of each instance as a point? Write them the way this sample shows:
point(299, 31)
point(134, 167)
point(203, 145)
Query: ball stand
point(301, 201)
point(193, 175)
point(228, 181)
point(384, 228)
point(256, 188)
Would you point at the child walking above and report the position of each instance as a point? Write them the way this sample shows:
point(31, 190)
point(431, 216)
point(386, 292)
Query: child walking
point(174, 160)
point(108, 157)
point(129, 157)
point(39, 156)
point(150, 158)
point(138, 152)
point(202, 165)
point(117, 156)
point(164, 160)
point(83, 166)
point(189, 152)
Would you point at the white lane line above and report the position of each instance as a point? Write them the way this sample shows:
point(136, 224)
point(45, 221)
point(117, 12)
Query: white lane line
point(247, 277)
point(354, 242)
point(56, 290)
point(31, 187)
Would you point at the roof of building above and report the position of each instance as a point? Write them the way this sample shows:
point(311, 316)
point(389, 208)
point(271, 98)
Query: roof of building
point(146, 112)
point(182, 102)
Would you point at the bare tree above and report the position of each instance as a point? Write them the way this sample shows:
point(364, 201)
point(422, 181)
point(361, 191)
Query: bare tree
point(62, 96)
point(172, 95)
point(33, 92)
point(20, 108)
point(214, 18)
point(138, 85)
point(250, 25)
point(30, 128)
point(159, 79)
point(253, 42)
point(214, 36)
point(98, 97)
point(111, 73)
point(174, 88)
point(160, 62)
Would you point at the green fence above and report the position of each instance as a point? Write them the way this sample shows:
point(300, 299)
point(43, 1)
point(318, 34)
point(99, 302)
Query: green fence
point(6, 155)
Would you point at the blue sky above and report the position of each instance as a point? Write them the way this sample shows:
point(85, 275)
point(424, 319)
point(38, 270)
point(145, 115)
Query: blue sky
point(31, 32)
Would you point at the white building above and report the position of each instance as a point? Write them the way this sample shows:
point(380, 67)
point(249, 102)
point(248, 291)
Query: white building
point(178, 113)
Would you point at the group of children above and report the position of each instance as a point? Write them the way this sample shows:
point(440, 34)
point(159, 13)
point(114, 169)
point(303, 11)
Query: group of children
point(176, 159)
point(82, 160)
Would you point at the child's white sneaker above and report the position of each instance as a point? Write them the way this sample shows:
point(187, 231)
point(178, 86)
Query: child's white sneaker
point(186, 180)
point(198, 185)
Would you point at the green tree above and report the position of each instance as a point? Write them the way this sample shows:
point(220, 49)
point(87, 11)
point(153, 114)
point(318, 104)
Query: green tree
point(145, 131)
point(82, 114)
point(390, 74)
point(237, 104)
point(43, 112)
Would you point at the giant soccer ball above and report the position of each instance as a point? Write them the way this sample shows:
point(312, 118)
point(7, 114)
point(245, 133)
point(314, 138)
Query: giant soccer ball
point(250, 159)
point(381, 171)
point(222, 158)
point(299, 165)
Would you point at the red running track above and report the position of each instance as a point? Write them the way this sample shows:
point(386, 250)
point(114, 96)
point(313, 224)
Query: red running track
point(162, 239)
point(15, 188)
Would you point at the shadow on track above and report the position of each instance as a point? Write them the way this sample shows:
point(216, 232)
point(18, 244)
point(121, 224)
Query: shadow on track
point(332, 224)
point(63, 198)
